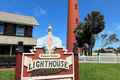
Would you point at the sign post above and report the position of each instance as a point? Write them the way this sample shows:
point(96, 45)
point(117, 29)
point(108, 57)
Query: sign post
point(19, 52)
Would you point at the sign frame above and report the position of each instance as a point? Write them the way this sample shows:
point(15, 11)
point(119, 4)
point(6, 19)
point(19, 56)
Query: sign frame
point(49, 77)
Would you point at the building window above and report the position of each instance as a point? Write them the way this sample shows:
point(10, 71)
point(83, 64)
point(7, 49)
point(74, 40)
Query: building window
point(77, 21)
point(19, 31)
point(76, 6)
point(1, 28)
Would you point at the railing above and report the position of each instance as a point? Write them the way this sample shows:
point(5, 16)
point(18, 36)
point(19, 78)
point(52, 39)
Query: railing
point(99, 59)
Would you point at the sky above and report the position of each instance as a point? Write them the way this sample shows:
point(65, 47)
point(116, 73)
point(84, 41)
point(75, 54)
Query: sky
point(54, 12)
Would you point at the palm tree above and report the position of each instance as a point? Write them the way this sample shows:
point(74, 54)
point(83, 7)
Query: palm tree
point(81, 37)
point(95, 22)
point(86, 31)
point(80, 34)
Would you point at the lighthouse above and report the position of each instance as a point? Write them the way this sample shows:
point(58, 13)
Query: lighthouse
point(73, 21)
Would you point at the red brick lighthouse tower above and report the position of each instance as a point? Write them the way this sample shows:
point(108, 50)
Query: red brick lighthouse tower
point(73, 21)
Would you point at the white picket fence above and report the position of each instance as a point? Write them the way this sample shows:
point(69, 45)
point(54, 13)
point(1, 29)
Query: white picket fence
point(99, 59)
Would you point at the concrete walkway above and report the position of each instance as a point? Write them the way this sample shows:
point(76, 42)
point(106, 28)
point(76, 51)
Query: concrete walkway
point(7, 69)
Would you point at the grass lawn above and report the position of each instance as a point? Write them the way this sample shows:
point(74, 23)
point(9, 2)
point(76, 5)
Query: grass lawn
point(87, 72)
point(100, 71)
point(7, 75)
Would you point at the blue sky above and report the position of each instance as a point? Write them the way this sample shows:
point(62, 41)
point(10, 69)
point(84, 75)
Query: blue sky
point(54, 12)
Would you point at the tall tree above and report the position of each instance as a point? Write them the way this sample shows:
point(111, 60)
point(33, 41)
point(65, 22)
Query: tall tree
point(103, 38)
point(86, 31)
point(95, 22)
point(112, 38)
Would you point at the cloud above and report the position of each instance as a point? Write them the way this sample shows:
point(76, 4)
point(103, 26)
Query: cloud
point(42, 11)
point(38, 11)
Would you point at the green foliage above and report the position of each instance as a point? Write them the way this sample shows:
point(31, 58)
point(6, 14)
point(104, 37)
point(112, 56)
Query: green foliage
point(7, 61)
point(111, 39)
point(95, 22)
point(87, 30)
point(80, 35)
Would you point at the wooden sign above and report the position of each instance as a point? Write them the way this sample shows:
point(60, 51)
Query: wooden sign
point(41, 66)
